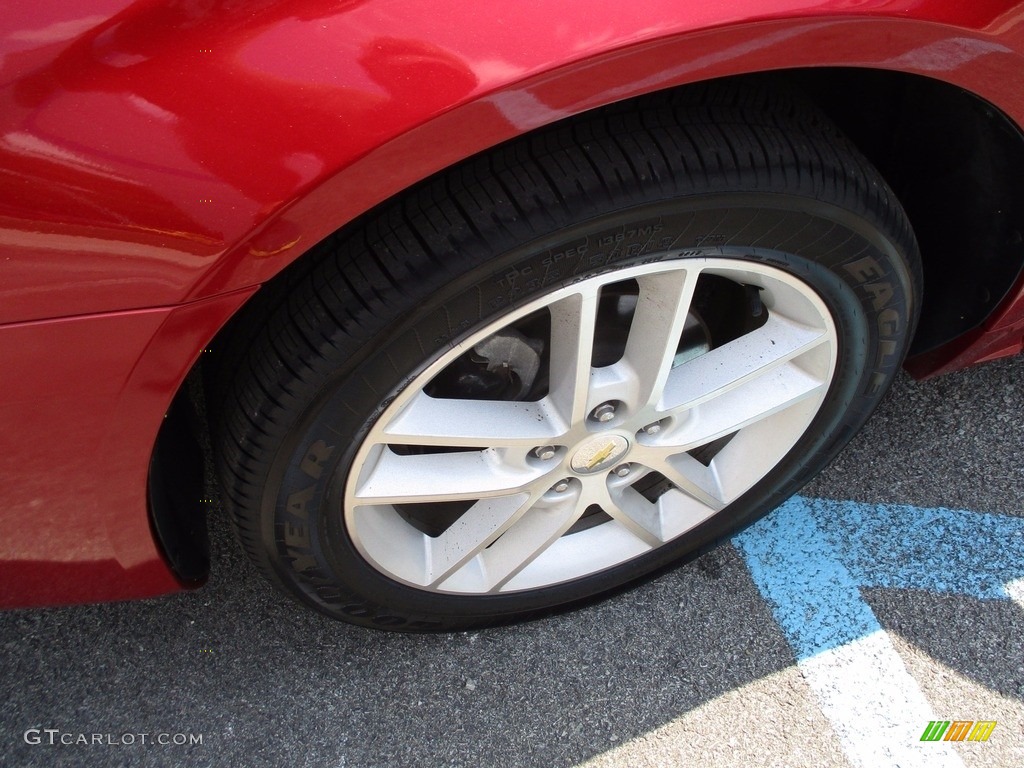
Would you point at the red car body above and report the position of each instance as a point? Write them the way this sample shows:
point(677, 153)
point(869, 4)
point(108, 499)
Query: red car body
point(161, 159)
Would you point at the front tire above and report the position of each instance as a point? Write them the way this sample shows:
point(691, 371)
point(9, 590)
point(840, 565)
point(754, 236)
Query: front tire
point(568, 363)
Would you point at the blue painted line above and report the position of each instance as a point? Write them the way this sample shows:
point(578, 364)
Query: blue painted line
point(812, 594)
point(810, 557)
point(942, 550)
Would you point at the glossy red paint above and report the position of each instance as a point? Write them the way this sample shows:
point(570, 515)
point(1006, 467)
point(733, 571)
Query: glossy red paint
point(83, 399)
point(173, 150)
point(1002, 335)
point(160, 159)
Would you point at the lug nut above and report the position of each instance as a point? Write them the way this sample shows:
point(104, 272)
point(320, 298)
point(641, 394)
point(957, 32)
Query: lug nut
point(561, 486)
point(622, 470)
point(653, 429)
point(544, 452)
point(603, 413)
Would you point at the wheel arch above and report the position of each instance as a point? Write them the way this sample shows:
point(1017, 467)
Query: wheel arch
point(870, 54)
point(953, 158)
point(281, 246)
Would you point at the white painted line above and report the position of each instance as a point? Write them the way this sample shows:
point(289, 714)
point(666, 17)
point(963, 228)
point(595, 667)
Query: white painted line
point(1015, 589)
point(875, 706)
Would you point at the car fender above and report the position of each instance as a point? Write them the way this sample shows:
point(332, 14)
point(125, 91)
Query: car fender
point(171, 151)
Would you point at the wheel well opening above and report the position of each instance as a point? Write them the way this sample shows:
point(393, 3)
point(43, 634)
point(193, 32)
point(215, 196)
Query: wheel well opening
point(952, 159)
point(176, 480)
point(956, 163)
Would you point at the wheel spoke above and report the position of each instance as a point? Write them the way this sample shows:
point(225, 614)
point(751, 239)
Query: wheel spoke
point(470, 535)
point(689, 476)
point(454, 423)
point(732, 365)
point(572, 346)
point(629, 509)
point(737, 407)
point(661, 310)
point(752, 452)
point(471, 475)
point(527, 540)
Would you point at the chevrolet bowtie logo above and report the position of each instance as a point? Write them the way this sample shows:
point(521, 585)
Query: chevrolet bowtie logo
point(595, 454)
point(601, 455)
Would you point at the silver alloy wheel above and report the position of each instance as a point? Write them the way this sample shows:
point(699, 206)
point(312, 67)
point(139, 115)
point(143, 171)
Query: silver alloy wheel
point(610, 427)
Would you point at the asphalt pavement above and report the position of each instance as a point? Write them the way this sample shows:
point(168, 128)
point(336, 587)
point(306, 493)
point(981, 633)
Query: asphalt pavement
point(890, 594)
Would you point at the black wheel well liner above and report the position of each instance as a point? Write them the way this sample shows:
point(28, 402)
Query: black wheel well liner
point(956, 163)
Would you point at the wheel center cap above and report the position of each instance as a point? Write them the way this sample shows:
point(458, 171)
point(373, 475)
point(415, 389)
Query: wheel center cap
point(598, 453)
